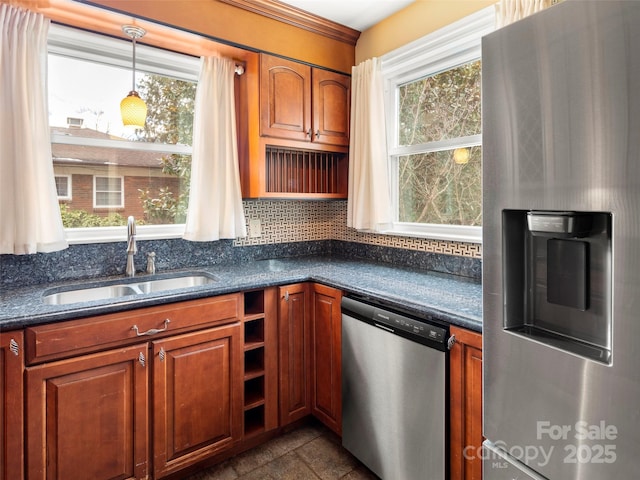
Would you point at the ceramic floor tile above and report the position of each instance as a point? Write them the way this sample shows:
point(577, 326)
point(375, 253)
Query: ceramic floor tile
point(286, 467)
point(294, 439)
point(252, 459)
point(327, 458)
point(223, 471)
point(360, 473)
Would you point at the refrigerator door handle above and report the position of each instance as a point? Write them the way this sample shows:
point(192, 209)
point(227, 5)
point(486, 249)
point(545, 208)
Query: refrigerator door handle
point(494, 454)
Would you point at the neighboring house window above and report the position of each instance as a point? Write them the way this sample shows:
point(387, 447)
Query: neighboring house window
point(108, 192)
point(432, 98)
point(88, 75)
point(63, 187)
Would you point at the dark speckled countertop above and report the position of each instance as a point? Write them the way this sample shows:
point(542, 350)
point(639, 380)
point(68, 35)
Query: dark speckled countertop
point(453, 299)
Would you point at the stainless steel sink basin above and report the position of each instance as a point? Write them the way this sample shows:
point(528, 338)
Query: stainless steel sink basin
point(174, 283)
point(106, 292)
point(89, 294)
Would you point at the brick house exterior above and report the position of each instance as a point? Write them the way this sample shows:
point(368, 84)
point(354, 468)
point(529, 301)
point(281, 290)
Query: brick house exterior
point(80, 164)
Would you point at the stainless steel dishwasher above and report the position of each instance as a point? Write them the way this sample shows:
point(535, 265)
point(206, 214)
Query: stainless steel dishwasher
point(394, 391)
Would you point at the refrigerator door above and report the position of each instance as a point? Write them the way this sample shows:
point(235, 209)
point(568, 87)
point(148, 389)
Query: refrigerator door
point(499, 465)
point(561, 133)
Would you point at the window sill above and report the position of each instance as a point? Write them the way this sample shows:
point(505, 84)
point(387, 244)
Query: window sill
point(77, 236)
point(451, 233)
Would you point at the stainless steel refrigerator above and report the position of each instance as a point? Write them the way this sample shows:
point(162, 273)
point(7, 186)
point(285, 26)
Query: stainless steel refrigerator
point(561, 244)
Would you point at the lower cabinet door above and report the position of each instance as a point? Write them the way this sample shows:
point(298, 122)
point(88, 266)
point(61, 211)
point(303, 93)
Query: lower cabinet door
point(87, 417)
point(11, 408)
point(326, 357)
point(197, 396)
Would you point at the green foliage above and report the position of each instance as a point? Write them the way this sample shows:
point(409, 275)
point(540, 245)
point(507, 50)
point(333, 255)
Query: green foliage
point(170, 109)
point(82, 218)
point(432, 187)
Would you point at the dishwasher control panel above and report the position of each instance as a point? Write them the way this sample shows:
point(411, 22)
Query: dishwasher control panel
point(421, 330)
point(409, 325)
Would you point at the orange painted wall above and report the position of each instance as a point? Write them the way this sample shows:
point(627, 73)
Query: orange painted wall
point(413, 22)
point(226, 22)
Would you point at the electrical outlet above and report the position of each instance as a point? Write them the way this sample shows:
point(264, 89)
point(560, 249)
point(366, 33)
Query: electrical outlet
point(255, 228)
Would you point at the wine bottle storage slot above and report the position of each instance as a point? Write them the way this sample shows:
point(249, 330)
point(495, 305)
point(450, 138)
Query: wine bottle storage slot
point(253, 334)
point(254, 363)
point(254, 421)
point(253, 392)
point(254, 303)
point(301, 171)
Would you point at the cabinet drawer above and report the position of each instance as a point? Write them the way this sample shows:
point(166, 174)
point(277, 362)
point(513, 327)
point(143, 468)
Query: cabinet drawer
point(65, 339)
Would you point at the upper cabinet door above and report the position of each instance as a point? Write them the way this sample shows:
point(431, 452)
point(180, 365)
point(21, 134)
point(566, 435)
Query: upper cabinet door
point(285, 99)
point(331, 105)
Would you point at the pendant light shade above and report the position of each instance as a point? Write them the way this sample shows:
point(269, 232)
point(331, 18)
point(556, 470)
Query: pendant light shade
point(132, 108)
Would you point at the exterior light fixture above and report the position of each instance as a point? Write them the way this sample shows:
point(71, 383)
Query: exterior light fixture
point(132, 108)
point(461, 156)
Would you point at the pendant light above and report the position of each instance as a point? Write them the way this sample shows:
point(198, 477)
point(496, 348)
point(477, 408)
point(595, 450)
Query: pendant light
point(132, 108)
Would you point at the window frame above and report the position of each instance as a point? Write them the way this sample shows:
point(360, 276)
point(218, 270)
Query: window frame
point(452, 46)
point(120, 204)
point(99, 48)
point(69, 195)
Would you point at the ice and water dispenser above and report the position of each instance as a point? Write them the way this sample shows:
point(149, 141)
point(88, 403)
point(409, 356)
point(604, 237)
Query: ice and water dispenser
point(557, 279)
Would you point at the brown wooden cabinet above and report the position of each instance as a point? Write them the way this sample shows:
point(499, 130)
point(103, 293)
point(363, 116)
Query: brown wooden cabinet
point(260, 401)
point(310, 336)
point(87, 417)
point(90, 394)
point(294, 338)
point(298, 139)
point(11, 409)
point(326, 357)
point(466, 404)
point(197, 397)
point(303, 103)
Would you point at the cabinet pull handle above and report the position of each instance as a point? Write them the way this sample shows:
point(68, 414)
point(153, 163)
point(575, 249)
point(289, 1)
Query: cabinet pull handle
point(317, 133)
point(14, 347)
point(309, 133)
point(451, 342)
point(161, 354)
point(152, 331)
point(142, 359)
point(286, 296)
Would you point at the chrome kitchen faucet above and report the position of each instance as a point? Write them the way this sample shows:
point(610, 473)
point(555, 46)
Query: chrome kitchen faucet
point(132, 248)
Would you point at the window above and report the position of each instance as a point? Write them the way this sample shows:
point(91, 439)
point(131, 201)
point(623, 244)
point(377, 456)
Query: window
point(63, 187)
point(432, 97)
point(119, 171)
point(108, 192)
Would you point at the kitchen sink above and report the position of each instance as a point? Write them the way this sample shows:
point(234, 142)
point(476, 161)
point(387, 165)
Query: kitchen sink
point(105, 292)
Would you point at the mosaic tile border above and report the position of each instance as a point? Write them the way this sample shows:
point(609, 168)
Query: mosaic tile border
point(300, 220)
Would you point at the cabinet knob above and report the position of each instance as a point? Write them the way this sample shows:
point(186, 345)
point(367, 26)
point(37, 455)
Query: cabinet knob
point(317, 133)
point(309, 133)
point(286, 296)
point(142, 359)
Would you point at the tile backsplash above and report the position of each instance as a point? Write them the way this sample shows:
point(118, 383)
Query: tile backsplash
point(289, 228)
point(297, 221)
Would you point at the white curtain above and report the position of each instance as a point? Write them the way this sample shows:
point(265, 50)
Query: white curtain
point(509, 11)
point(215, 199)
point(29, 212)
point(369, 204)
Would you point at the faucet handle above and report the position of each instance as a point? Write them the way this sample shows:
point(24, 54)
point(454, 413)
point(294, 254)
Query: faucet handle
point(151, 262)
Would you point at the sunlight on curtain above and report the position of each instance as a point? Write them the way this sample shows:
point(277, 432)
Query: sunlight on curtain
point(215, 199)
point(369, 204)
point(509, 11)
point(30, 219)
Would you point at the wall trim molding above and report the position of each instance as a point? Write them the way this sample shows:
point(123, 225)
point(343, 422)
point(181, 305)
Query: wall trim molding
point(298, 18)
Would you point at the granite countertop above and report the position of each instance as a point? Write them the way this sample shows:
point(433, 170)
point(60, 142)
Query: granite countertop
point(454, 299)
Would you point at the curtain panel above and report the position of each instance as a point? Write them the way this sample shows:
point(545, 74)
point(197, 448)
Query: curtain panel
point(509, 11)
point(369, 203)
point(215, 199)
point(30, 219)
